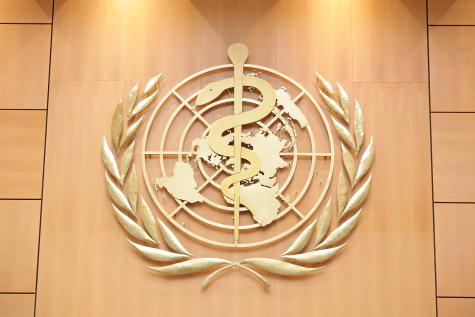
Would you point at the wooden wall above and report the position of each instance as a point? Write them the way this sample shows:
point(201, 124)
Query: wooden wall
point(64, 65)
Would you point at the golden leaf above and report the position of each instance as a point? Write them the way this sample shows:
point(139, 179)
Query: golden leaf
point(332, 105)
point(117, 124)
point(344, 134)
point(358, 125)
point(358, 197)
point(127, 158)
point(131, 227)
point(190, 266)
point(314, 257)
point(366, 161)
point(151, 84)
point(341, 232)
point(342, 192)
point(148, 219)
point(348, 162)
point(132, 188)
point(326, 86)
point(171, 240)
point(117, 196)
point(130, 133)
point(344, 102)
point(220, 271)
point(324, 222)
point(301, 241)
point(109, 160)
point(132, 98)
point(155, 254)
point(143, 104)
point(279, 267)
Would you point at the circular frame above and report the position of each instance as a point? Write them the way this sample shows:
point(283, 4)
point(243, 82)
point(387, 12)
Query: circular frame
point(266, 241)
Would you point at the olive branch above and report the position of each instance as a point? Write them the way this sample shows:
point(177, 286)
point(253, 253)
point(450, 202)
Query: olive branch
point(138, 220)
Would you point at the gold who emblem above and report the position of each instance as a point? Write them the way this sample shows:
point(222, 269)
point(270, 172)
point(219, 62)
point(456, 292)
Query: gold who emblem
point(251, 151)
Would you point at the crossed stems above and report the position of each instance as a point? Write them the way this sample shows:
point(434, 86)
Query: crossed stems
point(211, 277)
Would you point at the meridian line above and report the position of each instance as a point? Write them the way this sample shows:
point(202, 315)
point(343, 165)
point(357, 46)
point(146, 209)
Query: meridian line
point(183, 101)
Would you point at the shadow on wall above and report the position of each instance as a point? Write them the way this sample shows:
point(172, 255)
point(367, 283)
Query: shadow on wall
point(243, 14)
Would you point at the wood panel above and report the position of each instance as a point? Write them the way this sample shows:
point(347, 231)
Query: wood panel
point(454, 249)
point(456, 307)
point(26, 11)
point(86, 265)
point(452, 62)
point(19, 228)
point(389, 41)
point(17, 305)
point(314, 36)
point(453, 148)
point(22, 136)
point(451, 12)
point(396, 223)
point(89, 40)
point(24, 56)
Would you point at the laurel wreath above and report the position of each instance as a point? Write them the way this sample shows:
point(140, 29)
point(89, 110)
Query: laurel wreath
point(148, 233)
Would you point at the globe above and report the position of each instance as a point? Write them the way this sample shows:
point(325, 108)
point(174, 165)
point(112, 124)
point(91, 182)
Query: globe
point(184, 175)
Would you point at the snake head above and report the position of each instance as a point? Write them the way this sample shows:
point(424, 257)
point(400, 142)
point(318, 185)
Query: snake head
point(208, 93)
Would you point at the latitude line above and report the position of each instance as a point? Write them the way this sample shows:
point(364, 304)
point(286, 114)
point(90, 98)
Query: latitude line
point(295, 209)
point(183, 101)
point(173, 153)
point(199, 189)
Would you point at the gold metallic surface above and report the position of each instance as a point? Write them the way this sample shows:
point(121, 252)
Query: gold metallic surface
point(358, 197)
point(158, 255)
point(131, 227)
point(344, 134)
point(342, 192)
point(130, 133)
point(190, 266)
point(341, 232)
point(148, 220)
point(132, 98)
point(332, 105)
point(117, 196)
point(109, 160)
point(358, 125)
point(151, 84)
point(324, 222)
point(314, 257)
point(302, 240)
point(146, 227)
point(171, 240)
point(117, 124)
point(348, 162)
point(126, 160)
point(344, 102)
point(367, 160)
point(279, 267)
point(132, 189)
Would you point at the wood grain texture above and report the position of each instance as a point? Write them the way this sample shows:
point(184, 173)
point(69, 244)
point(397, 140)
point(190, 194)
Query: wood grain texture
point(389, 41)
point(22, 136)
point(453, 149)
point(452, 64)
point(396, 224)
point(19, 228)
point(86, 265)
point(26, 11)
point(24, 52)
point(456, 307)
point(454, 249)
point(90, 40)
point(17, 305)
point(452, 12)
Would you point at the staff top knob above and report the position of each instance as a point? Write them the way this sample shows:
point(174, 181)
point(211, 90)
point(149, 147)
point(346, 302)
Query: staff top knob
point(238, 53)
